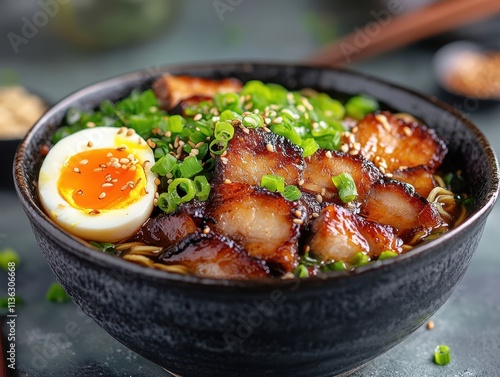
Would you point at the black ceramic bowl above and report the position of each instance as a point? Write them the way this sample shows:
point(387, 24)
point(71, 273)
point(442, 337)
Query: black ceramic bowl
point(315, 327)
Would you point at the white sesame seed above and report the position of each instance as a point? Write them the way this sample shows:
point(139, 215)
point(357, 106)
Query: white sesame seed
point(79, 192)
point(90, 124)
point(298, 213)
point(269, 147)
point(319, 198)
point(278, 120)
point(227, 181)
point(157, 181)
point(124, 160)
point(107, 184)
point(84, 162)
point(315, 215)
point(97, 170)
point(328, 154)
point(90, 144)
point(76, 170)
point(298, 221)
point(130, 132)
point(197, 117)
point(407, 130)
point(102, 195)
point(301, 182)
point(109, 155)
point(206, 230)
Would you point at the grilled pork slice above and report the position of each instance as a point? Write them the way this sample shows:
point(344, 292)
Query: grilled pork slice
point(420, 177)
point(165, 230)
point(260, 221)
point(396, 204)
point(338, 234)
point(170, 89)
point(257, 153)
point(323, 165)
point(394, 143)
point(214, 256)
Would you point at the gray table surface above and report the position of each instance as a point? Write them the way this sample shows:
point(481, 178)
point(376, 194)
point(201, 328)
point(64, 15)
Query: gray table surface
point(59, 340)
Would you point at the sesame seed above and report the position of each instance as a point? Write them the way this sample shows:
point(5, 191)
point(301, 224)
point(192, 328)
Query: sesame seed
point(323, 191)
point(307, 248)
point(76, 170)
point(157, 181)
point(357, 146)
point(430, 325)
point(124, 160)
point(94, 212)
point(197, 117)
point(206, 230)
point(97, 170)
point(248, 106)
point(84, 162)
point(328, 154)
point(246, 130)
point(298, 213)
point(132, 168)
point(90, 124)
point(122, 130)
point(344, 148)
point(319, 198)
point(116, 165)
point(157, 195)
point(198, 145)
point(79, 192)
point(102, 195)
point(130, 132)
point(145, 164)
point(301, 108)
point(383, 121)
point(354, 152)
point(407, 130)
point(266, 129)
point(298, 221)
point(168, 133)
point(267, 121)
point(155, 202)
point(90, 144)
point(124, 187)
point(114, 180)
point(403, 167)
point(278, 120)
point(107, 184)
point(121, 148)
point(224, 154)
point(151, 143)
point(195, 152)
point(169, 175)
point(355, 129)
point(269, 147)
point(227, 181)
point(224, 160)
point(109, 155)
point(388, 175)
point(315, 215)
point(301, 182)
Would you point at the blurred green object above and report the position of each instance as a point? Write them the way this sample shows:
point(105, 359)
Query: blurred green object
point(95, 24)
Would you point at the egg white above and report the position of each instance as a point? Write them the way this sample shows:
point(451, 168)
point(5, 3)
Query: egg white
point(111, 225)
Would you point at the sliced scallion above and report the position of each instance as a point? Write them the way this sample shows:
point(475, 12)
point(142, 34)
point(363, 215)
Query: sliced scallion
point(164, 165)
point(181, 190)
point(387, 254)
point(359, 259)
point(190, 167)
point(223, 131)
point(273, 183)
point(291, 193)
point(346, 187)
point(442, 355)
point(202, 187)
point(301, 271)
point(309, 146)
point(56, 293)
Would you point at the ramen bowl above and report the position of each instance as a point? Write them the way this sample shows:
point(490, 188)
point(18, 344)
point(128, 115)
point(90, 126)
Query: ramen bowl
point(319, 326)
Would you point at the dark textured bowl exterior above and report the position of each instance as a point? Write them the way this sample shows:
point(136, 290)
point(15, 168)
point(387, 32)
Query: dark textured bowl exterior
point(314, 327)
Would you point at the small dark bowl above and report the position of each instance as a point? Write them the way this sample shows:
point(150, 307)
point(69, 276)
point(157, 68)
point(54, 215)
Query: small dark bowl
point(320, 326)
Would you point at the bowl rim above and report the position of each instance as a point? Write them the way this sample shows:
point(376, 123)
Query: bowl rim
point(79, 249)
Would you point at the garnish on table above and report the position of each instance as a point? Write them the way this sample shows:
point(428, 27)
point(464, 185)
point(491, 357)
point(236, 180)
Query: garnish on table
point(56, 294)
point(8, 255)
point(442, 355)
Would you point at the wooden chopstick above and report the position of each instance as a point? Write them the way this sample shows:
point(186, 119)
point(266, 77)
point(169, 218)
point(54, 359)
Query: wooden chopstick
point(397, 31)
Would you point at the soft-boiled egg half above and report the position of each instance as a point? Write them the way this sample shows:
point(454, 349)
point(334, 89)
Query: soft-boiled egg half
point(97, 183)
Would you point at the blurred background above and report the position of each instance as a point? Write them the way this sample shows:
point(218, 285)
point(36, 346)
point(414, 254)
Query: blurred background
point(54, 47)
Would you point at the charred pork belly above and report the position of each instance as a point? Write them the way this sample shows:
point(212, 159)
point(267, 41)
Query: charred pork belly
point(393, 143)
point(265, 224)
point(253, 153)
point(214, 256)
point(170, 90)
point(323, 165)
point(338, 234)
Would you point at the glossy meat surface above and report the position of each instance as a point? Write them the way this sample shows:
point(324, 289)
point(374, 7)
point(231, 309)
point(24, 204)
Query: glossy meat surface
point(165, 230)
point(170, 90)
point(214, 256)
point(257, 153)
point(420, 177)
point(398, 143)
point(323, 165)
point(338, 234)
point(260, 221)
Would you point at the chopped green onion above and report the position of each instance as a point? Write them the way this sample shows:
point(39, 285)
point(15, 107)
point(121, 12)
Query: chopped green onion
point(273, 183)
point(301, 271)
point(346, 187)
point(7, 256)
point(360, 259)
point(164, 165)
point(387, 254)
point(287, 131)
point(190, 167)
point(442, 355)
point(105, 247)
point(223, 131)
point(56, 293)
point(308, 261)
point(166, 203)
point(4, 301)
point(176, 123)
point(329, 141)
point(185, 185)
point(359, 106)
point(335, 266)
point(218, 146)
point(252, 121)
point(309, 146)
point(228, 116)
point(202, 187)
point(291, 193)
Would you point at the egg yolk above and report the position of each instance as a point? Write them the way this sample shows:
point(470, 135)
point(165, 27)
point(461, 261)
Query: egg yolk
point(102, 179)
